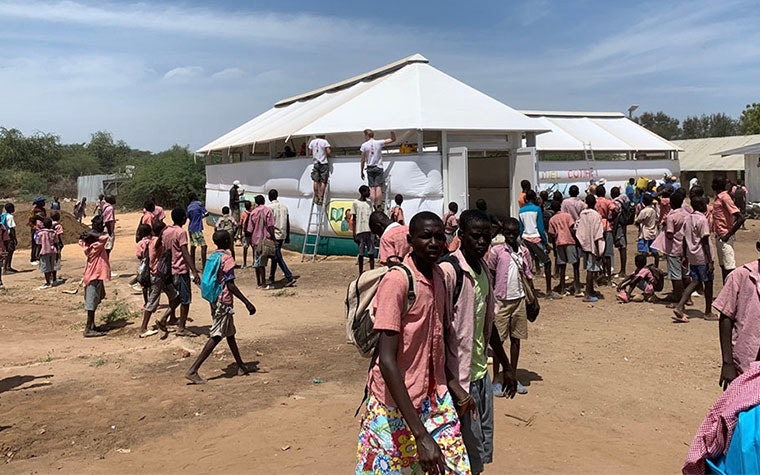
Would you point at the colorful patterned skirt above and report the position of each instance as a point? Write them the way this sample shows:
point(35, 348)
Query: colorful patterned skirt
point(387, 446)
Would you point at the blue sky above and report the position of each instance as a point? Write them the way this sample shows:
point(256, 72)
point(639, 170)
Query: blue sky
point(160, 73)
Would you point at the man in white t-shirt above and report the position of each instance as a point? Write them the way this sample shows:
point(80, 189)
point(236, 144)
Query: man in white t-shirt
point(319, 149)
point(372, 156)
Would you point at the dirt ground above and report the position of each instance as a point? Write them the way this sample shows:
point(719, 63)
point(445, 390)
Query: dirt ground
point(612, 388)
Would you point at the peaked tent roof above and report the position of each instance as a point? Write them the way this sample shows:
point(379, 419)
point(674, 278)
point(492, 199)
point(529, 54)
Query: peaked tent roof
point(405, 95)
point(603, 131)
point(748, 150)
point(705, 154)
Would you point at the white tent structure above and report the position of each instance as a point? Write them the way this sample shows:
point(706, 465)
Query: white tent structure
point(751, 164)
point(469, 146)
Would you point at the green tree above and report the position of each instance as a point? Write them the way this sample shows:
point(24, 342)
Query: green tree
point(36, 153)
point(750, 119)
point(110, 154)
point(713, 125)
point(661, 124)
point(168, 177)
point(76, 160)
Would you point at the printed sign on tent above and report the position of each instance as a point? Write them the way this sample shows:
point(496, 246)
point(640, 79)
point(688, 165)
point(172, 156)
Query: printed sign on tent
point(339, 216)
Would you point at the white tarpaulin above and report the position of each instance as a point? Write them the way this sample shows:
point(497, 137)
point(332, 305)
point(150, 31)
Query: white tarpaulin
point(417, 177)
point(561, 175)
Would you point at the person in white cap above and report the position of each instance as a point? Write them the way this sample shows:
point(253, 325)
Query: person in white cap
point(235, 194)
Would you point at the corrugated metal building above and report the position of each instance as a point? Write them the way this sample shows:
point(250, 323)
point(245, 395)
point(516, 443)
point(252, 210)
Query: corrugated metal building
point(701, 158)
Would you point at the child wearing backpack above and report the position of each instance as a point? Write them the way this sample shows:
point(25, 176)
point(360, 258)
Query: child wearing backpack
point(642, 278)
point(411, 420)
point(397, 213)
point(144, 235)
point(218, 287)
point(227, 223)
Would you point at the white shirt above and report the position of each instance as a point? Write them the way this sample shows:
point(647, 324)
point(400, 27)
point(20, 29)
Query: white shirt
point(318, 149)
point(693, 182)
point(10, 222)
point(390, 226)
point(374, 150)
point(280, 214)
point(361, 211)
point(514, 284)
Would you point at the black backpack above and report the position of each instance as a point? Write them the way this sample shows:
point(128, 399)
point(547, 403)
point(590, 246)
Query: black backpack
point(626, 214)
point(97, 224)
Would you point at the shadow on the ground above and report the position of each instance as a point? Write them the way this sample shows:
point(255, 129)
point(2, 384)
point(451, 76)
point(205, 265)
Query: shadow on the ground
point(13, 382)
point(231, 370)
point(526, 376)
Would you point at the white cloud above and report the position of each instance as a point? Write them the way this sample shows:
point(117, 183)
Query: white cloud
point(184, 73)
point(228, 74)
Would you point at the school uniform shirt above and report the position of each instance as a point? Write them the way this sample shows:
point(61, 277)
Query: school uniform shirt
point(397, 214)
point(740, 301)
point(318, 149)
point(590, 233)
point(674, 223)
point(155, 254)
point(421, 354)
point(561, 225)
point(532, 223)
point(393, 242)
point(606, 209)
point(107, 213)
point(450, 223)
point(244, 219)
point(664, 205)
point(98, 266)
point(723, 211)
point(646, 275)
point(695, 229)
point(147, 218)
point(226, 273)
point(57, 228)
point(361, 210)
point(195, 213)
point(374, 150)
point(46, 240)
point(501, 262)
point(461, 334)
point(260, 219)
point(141, 247)
point(280, 214)
point(647, 221)
point(174, 238)
point(158, 213)
point(573, 206)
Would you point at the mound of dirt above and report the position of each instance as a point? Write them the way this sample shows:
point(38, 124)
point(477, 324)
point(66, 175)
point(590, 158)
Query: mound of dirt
point(71, 228)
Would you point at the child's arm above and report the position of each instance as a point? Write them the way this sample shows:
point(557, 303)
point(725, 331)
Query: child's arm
point(233, 288)
point(708, 253)
point(190, 264)
point(510, 380)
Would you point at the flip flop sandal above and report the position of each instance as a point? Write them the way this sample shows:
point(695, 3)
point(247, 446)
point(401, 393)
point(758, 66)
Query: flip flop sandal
point(623, 297)
point(148, 333)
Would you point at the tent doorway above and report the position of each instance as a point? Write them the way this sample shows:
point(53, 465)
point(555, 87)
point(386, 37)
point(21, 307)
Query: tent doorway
point(489, 179)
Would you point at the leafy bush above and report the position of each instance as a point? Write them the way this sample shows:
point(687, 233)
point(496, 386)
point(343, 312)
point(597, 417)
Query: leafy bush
point(169, 177)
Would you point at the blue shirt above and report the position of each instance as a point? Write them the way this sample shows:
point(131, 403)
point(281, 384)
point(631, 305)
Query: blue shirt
point(195, 213)
point(630, 192)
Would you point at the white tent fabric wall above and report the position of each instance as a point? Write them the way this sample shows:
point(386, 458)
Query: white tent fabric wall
point(417, 177)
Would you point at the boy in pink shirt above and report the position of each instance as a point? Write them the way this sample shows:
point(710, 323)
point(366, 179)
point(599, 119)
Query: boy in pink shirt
point(223, 325)
point(641, 278)
point(726, 220)
point(696, 248)
point(46, 240)
point(411, 420)
point(561, 228)
point(96, 272)
point(393, 237)
point(450, 222)
point(670, 243)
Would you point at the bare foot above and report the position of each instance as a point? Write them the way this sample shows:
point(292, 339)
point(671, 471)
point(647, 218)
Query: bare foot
point(710, 317)
point(242, 371)
point(679, 316)
point(162, 326)
point(186, 332)
point(194, 378)
point(93, 333)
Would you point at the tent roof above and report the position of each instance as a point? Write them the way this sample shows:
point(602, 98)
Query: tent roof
point(602, 131)
point(405, 95)
point(749, 149)
point(705, 154)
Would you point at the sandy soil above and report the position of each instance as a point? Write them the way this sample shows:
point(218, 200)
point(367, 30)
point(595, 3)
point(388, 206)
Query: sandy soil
point(613, 388)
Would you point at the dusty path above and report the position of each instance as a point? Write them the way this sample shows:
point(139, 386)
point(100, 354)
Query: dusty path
point(613, 388)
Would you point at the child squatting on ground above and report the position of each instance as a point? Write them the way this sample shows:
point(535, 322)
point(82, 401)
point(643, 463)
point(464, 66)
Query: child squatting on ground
point(222, 312)
point(641, 278)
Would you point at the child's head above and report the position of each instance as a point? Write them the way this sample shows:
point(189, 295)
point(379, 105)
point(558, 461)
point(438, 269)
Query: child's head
point(55, 198)
point(222, 239)
point(158, 228)
point(590, 201)
point(511, 230)
point(525, 185)
point(676, 199)
point(259, 200)
point(719, 184)
point(10, 208)
point(101, 196)
point(192, 197)
point(378, 222)
point(574, 191)
point(557, 196)
point(47, 223)
point(143, 231)
point(364, 191)
point(647, 199)
point(273, 195)
point(247, 204)
point(640, 260)
point(544, 196)
point(426, 236)
point(481, 205)
point(84, 200)
point(530, 196)
point(111, 199)
point(631, 181)
point(475, 232)
point(179, 217)
point(556, 206)
point(601, 191)
point(699, 204)
point(696, 190)
point(88, 237)
point(55, 215)
point(398, 199)
point(495, 225)
point(615, 192)
point(149, 206)
point(225, 210)
point(453, 207)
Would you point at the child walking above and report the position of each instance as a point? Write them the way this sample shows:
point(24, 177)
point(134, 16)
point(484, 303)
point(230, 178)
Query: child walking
point(9, 221)
point(96, 272)
point(641, 278)
point(46, 241)
point(222, 311)
point(246, 239)
point(589, 233)
point(361, 210)
point(699, 255)
point(160, 272)
point(144, 235)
